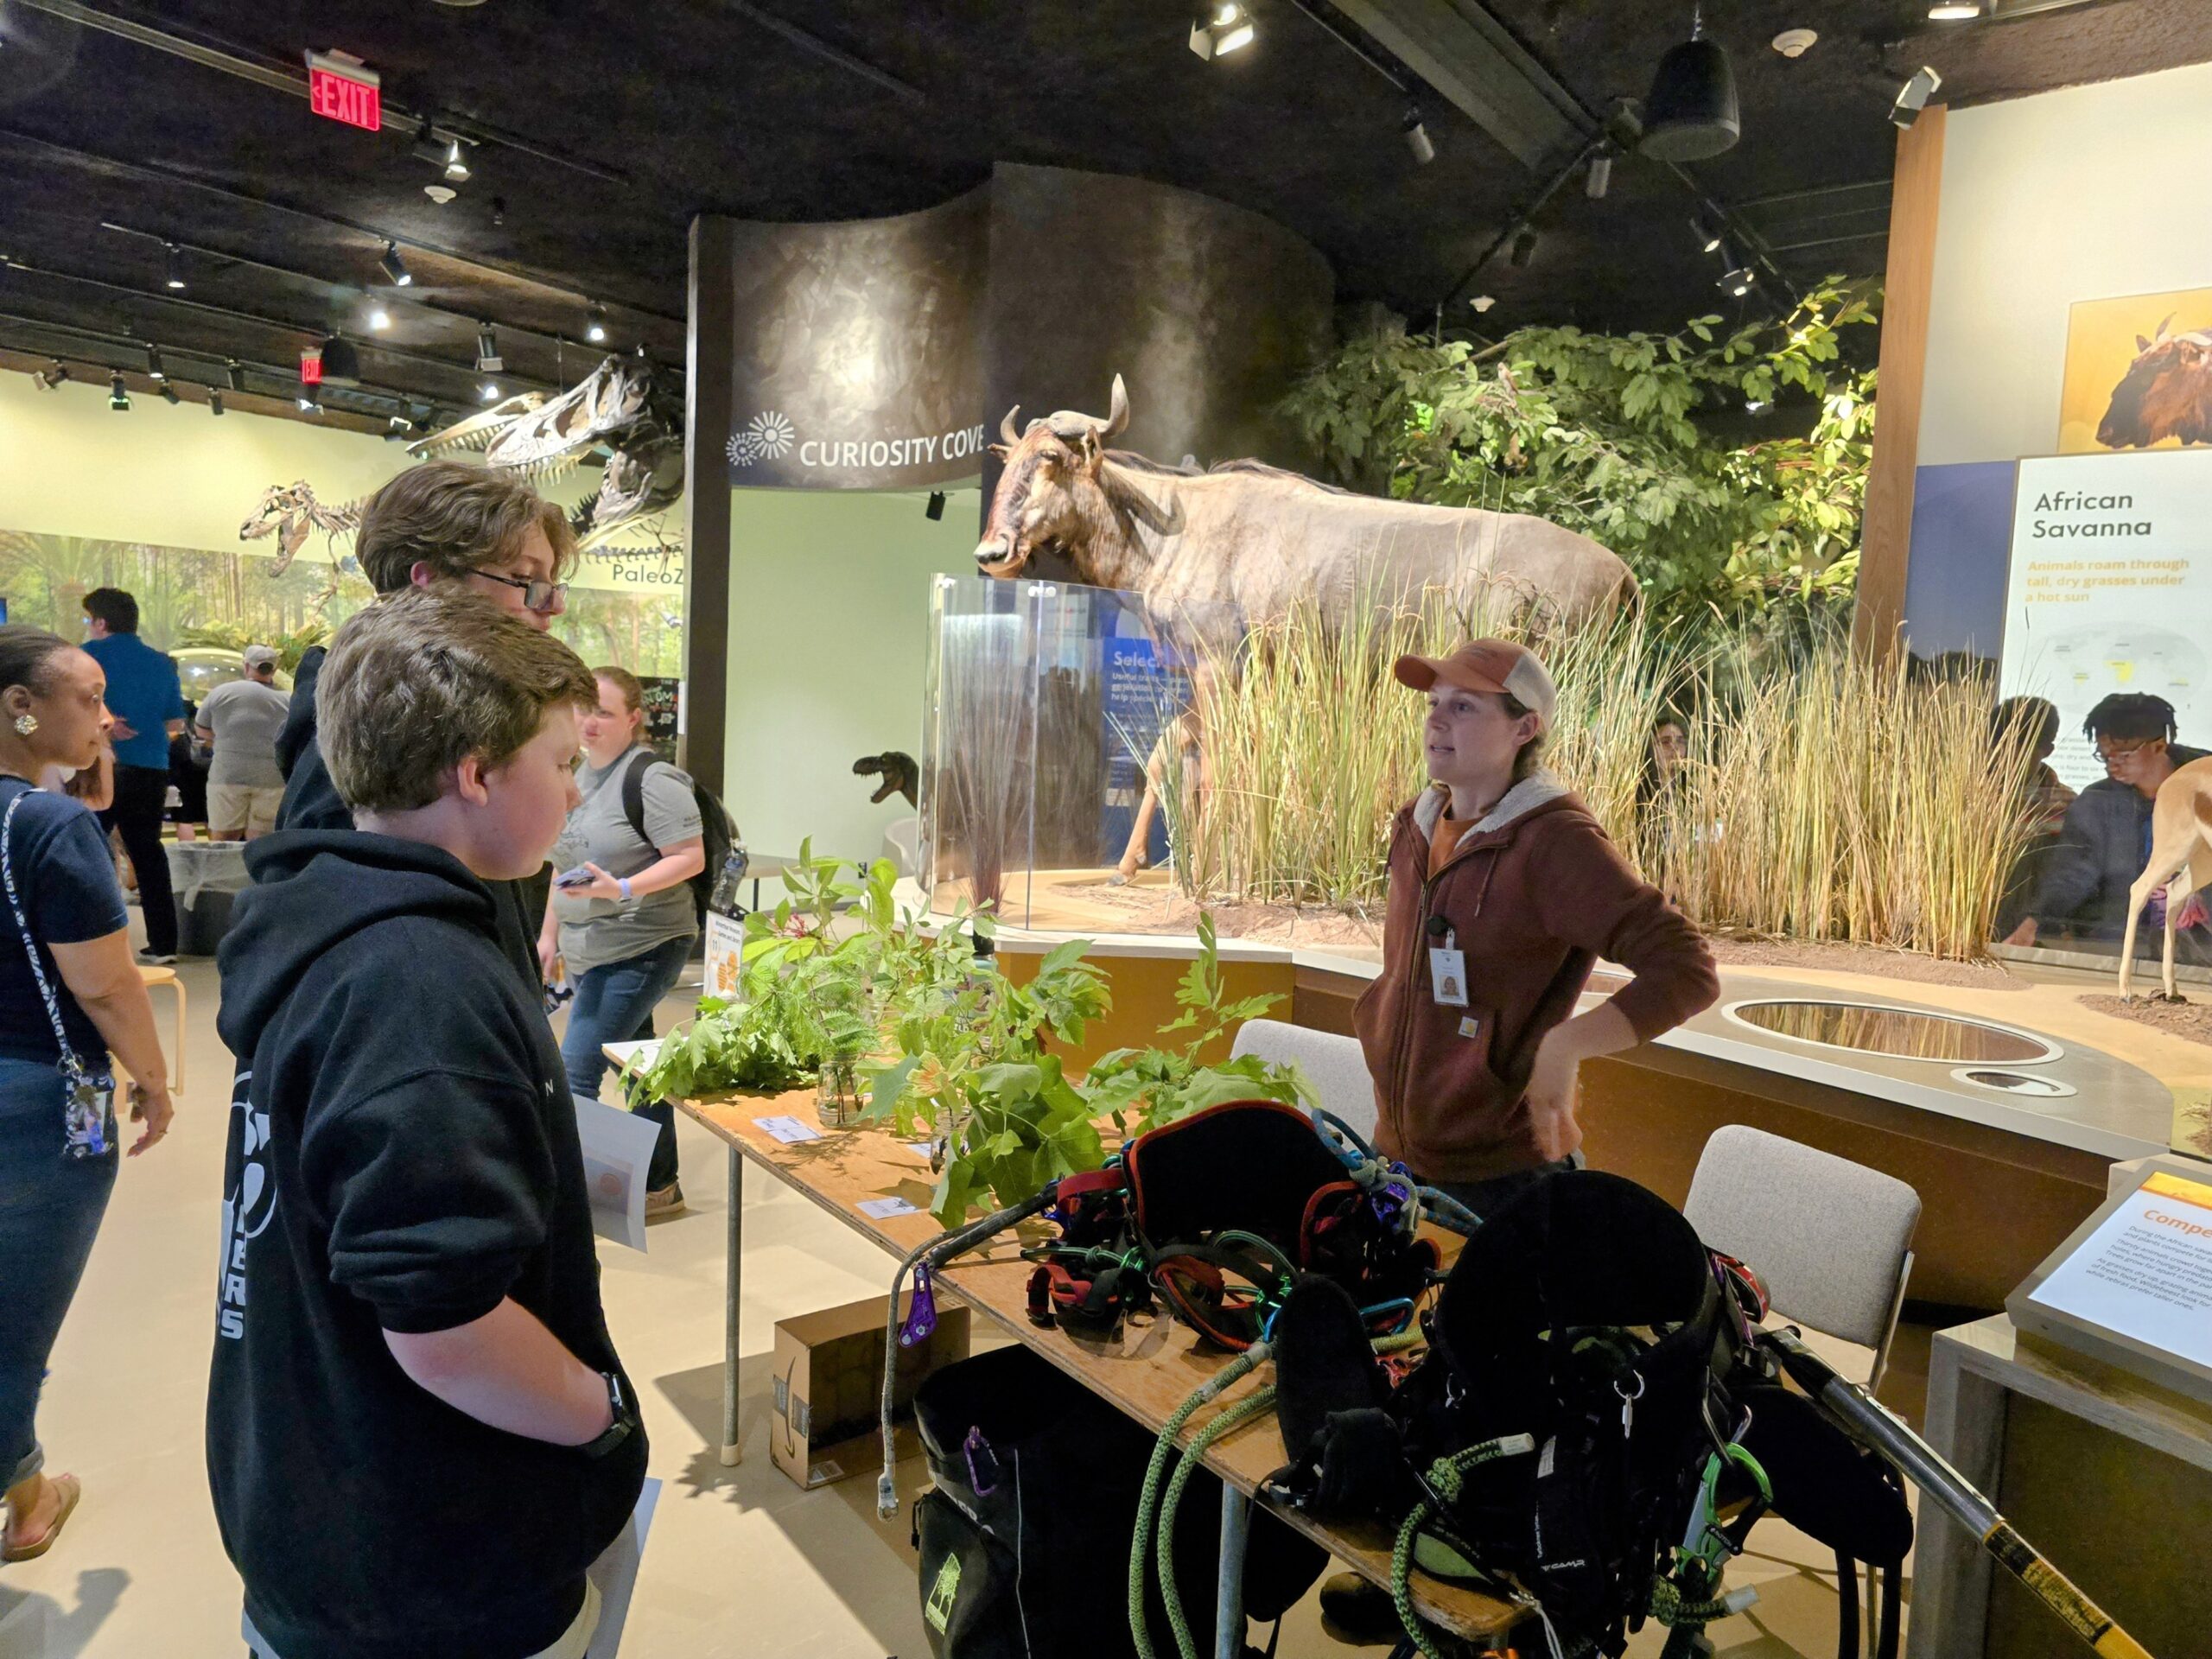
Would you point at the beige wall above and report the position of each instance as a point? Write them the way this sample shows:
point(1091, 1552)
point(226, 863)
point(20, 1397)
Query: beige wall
point(2090, 193)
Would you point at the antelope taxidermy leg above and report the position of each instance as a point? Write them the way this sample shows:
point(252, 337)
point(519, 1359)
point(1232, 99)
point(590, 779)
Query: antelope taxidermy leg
point(2181, 863)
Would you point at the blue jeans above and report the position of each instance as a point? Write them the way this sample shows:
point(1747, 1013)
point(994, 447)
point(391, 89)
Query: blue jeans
point(614, 1004)
point(50, 1209)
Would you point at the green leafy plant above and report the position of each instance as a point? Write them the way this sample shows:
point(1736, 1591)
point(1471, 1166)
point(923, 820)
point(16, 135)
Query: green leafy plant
point(1617, 437)
point(1144, 1088)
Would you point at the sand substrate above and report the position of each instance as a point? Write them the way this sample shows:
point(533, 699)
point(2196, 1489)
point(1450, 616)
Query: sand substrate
point(2191, 1021)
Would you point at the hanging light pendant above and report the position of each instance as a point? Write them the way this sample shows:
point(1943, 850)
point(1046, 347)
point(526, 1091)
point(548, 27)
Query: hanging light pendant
point(1691, 114)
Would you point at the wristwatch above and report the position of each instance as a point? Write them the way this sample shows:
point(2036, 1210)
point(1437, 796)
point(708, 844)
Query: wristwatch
point(625, 1420)
point(623, 885)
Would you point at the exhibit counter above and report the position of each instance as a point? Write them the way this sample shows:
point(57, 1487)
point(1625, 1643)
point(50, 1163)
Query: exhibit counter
point(2003, 1105)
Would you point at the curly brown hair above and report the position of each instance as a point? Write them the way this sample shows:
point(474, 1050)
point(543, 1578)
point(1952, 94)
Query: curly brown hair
point(456, 518)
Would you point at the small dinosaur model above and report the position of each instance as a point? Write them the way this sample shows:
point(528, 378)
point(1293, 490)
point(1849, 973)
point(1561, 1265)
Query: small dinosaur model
point(899, 774)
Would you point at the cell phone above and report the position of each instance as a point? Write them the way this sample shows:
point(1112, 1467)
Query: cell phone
point(579, 877)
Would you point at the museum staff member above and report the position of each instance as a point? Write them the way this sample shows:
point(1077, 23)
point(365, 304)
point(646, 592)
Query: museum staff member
point(1503, 892)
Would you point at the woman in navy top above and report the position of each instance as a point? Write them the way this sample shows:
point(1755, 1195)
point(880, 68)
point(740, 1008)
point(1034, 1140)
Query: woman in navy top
point(70, 995)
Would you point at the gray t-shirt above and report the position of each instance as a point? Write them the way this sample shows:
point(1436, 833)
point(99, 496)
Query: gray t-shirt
point(597, 931)
point(246, 717)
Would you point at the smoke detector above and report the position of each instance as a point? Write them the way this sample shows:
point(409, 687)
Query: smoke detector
point(440, 194)
point(1483, 302)
point(1794, 42)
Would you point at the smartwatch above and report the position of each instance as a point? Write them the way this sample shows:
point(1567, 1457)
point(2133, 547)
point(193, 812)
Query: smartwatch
point(625, 1422)
point(624, 884)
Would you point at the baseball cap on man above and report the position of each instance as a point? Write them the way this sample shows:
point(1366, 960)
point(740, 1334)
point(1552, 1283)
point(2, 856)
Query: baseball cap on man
point(259, 656)
point(1487, 665)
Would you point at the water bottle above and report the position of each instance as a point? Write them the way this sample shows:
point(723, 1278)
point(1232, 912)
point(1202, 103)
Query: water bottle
point(724, 899)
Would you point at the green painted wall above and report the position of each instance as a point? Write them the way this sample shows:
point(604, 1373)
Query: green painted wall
point(830, 604)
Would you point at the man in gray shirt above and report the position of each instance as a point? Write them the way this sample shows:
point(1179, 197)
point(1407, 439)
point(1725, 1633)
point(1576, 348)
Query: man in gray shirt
point(241, 719)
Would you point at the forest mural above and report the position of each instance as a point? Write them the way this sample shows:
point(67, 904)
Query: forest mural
point(625, 606)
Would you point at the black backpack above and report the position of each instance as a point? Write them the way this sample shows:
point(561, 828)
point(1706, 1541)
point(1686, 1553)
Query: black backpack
point(716, 829)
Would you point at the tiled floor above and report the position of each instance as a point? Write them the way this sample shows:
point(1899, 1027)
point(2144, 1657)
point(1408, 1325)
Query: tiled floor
point(740, 1562)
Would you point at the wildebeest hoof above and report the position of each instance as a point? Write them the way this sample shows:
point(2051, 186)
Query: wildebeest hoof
point(1117, 879)
point(2171, 997)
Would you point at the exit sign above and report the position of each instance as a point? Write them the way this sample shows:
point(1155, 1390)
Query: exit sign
point(340, 89)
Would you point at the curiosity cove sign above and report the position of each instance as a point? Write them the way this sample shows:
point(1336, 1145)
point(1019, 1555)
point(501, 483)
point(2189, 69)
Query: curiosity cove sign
point(2109, 585)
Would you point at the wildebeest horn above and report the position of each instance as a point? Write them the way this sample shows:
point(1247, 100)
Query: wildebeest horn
point(1007, 428)
point(1117, 415)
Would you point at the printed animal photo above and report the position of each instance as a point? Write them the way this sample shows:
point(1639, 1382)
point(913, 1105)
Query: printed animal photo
point(2139, 373)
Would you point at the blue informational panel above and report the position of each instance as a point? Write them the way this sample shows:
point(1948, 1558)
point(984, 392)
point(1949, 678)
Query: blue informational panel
point(1136, 697)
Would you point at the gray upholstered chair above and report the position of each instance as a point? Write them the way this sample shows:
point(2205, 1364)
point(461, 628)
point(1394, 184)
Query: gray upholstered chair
point(1832, 1240)
point(1334, 1066)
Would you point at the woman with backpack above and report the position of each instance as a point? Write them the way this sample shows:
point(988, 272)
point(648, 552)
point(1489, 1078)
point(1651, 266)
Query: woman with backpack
point(622, 917)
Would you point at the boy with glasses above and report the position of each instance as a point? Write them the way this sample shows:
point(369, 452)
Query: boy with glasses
point(457, 528)
point(2105, 841)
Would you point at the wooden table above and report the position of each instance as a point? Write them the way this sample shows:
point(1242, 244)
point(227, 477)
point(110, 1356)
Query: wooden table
point(1151, 1371)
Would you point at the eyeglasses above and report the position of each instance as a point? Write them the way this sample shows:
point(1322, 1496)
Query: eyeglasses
point(2109, 752)
point(537, 595)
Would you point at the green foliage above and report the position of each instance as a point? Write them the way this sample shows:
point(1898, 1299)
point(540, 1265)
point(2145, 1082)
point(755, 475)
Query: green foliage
point(1607, 434)
point(237, 636)
point(1143, 1088)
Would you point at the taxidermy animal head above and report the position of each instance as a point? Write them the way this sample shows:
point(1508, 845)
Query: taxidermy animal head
point(1051, 496)
point(899, 774)
point(2166, 393)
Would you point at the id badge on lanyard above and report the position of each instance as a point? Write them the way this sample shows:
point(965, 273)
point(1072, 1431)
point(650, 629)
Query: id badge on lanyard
point(1447, 973)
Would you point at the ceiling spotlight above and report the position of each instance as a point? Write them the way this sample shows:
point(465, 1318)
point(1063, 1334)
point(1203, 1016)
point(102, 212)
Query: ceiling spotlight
point(1691, 114)
point(443, 151)
point(1757, 405)
point(154, 370)
point(173, 266)
point(236, 370)
point(1222, 30)
point(489, 360)
point(596, 324)
point(1524, 247)
point(1955, 11)
point(1794, 42)
point(395, 268)
point(310, 399)
point(215, 400)
point(1913, 96)
point(934, 509)
point(52, 376)
point(489, 392)
point(499, 211)
point(118, 395)
point(1707, 229)
point(1601, 176)
point(1737, 273)
point(379, 319)
point(1417, 139)
point(169, 395)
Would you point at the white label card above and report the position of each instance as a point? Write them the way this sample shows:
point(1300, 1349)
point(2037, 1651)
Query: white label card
point(884, 1209)
point(788, 1130)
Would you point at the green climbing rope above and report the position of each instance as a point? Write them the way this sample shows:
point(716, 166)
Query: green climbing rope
point(1446, 1477)
point(1193, 1457)
point(1148, 1500)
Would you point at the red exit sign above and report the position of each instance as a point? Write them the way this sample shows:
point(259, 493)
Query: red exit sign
point(340, 89)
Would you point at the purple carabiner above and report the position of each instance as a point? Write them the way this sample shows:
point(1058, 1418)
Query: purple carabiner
point(1389, 1199)
point(969, 1448)
point(921, 1312)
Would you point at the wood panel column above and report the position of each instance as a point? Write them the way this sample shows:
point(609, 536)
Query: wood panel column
point(1885, 534)
point(706, 502)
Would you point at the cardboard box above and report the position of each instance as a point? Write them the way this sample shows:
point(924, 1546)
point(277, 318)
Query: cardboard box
point(828, 1382)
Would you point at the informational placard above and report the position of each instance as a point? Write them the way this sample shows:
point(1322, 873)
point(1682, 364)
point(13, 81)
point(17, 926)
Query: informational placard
point(2133, 1285)
point(2109, 587)
point(661, 701)
point(725, 956)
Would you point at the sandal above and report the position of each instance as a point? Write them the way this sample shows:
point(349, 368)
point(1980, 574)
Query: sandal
point(71, 1489)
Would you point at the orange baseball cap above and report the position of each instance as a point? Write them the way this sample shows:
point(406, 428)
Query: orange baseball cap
point(1486, 666)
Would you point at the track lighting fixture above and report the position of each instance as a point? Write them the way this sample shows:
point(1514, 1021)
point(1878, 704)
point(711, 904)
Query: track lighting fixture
point(51, 375)
point(1222, 30)
point(1955, 11)
point(118, 394)
point(154, 369)
point(443, 151)
point(169, 395)
point(489, 360)
point(173, 267)
point(1417, 139)
point(236, 371)
point(596, 324)
point(1913, 96)
point(379, 319)
point(1705, 227)
point(489, 392)
point(1601, 176)
point(934, 510)
point(1691, 113)
point(1737, 273)
point(310, 399)
point(1524, 247)
point(395, 268)
point(215, 400)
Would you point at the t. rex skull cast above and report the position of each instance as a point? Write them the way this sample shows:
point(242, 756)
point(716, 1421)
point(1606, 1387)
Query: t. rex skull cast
point(2181, 861)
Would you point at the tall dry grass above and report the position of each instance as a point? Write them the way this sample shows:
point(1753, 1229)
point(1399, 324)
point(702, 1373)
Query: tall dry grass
point(1825, 798)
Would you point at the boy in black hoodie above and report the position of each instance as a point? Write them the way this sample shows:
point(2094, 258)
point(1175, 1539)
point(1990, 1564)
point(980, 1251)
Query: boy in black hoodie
point(445, 524)
point(419, 1436)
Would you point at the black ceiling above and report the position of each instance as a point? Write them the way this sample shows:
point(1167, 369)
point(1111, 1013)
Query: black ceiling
point(605, 127)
